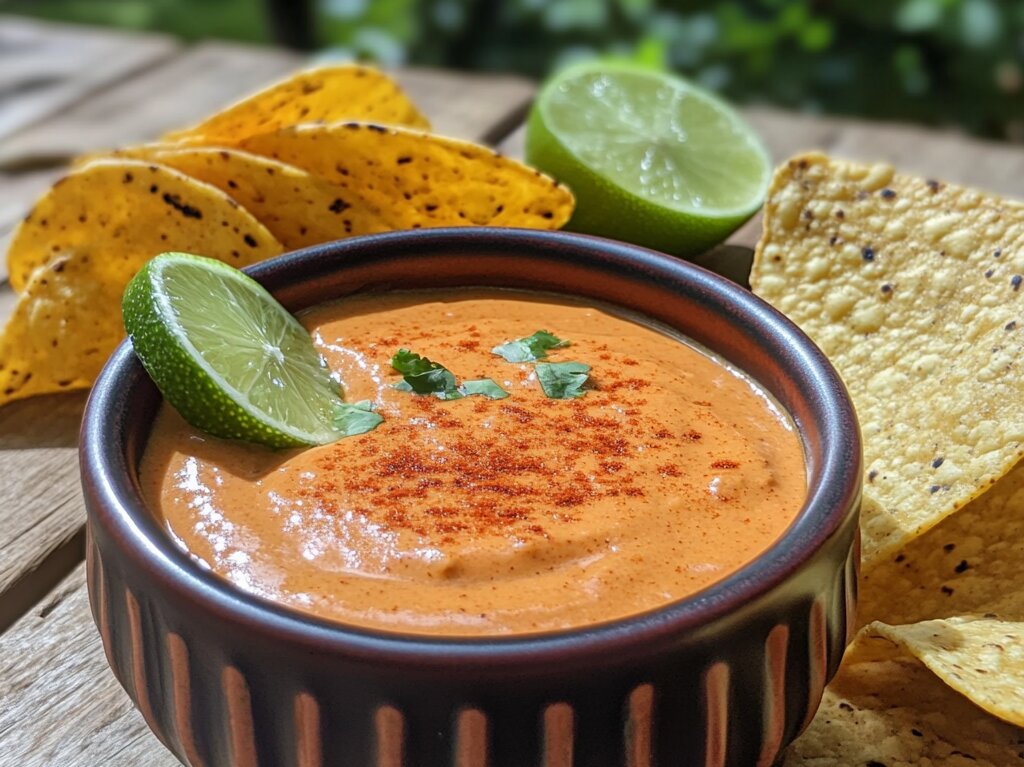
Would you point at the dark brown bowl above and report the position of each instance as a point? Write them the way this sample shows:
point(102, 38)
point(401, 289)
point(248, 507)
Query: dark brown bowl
point(727, 677)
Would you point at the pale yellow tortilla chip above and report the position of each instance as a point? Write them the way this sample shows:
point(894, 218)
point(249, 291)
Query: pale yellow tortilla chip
point(298, 208)
point(117, 214)
point(421, 180)
point(913, 290)
point(324, 94)
point(971, 562)
point(982, 658)
point(885, 709)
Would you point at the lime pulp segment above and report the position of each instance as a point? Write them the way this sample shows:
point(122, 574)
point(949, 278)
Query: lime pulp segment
point(660, 138)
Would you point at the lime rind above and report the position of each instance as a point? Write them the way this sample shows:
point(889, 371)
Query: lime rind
point(302, 410)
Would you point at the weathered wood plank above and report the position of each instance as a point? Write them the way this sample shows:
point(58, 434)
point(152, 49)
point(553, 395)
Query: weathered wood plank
point(40, 508)
point(44, 67)
point(139, 108)
point(59, 701)
point(7, 301)
point(943, 155)
point(988, 165)
point(18, 191)
point(212, 75)
point(463, 105)
point(40, 501)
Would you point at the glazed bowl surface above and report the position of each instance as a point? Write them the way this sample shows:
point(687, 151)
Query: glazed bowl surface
point(728, 676)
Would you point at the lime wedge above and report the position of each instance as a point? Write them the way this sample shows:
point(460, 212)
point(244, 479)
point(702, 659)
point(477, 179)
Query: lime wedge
point(651, 158)
point(227, 356)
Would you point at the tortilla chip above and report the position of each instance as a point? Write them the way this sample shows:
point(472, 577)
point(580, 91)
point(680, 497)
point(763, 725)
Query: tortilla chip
point(83, 242)
point(979, 657)
point(419, 179)
point(117, 214)
point(886, 710)
point(971, 562)
point(325, 94)
point(298, 208)
point(912, 288)
point(63, 328)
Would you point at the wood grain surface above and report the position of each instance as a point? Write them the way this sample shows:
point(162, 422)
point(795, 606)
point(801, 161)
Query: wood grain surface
point(60, 705)
point(177, 92)
point(46, 67)
point(78, 90)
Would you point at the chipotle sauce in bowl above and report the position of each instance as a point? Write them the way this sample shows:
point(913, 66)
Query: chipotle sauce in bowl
point(479, 517)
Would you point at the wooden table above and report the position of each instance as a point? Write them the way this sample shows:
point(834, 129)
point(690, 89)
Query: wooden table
point(65, 90)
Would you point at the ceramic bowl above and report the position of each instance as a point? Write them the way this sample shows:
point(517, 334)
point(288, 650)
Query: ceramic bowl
point(728, 676)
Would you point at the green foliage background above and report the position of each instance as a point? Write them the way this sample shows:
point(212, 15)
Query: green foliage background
point(939, 62)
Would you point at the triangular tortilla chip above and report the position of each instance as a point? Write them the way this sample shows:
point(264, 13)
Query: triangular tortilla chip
point(913, 290)
point(117, 214)
point(63, 328)
point(971, 562)
point(419, 179)
point(968, 565)
point(81, 245)
point(981, 657)
point(298, 208)
point(885, 708)
point(322, 94)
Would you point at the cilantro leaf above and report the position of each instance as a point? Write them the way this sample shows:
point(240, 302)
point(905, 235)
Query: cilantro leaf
point(529, 349)
point(562, 380)
point(446, 394)
point(482, 386)
point(352, 418)
point(424, 376)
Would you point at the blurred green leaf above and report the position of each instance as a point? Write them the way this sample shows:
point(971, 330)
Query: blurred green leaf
point(636, 9)
point(564, 15)
point(651, 52)
point(910, 67)
point(979, 23)
point(918, 15)
point(816, 36)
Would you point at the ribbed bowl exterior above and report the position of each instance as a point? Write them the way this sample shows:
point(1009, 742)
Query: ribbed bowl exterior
point(730, 678)
point(731, 694)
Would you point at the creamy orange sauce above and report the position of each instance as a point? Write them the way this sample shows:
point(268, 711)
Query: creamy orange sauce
point(480, 516)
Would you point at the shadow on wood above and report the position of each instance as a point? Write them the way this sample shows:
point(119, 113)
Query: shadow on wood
point(28, 590)
point(42, 422)
point(731, 261)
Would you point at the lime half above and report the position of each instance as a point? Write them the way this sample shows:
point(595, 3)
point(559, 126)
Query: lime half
point(651, 158)
point(227, 356)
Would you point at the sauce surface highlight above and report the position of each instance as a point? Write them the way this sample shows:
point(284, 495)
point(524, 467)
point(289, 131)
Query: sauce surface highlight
point(480, 516)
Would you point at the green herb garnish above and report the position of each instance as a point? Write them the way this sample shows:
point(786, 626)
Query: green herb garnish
point(529, 349)
point(352, 418)
point(562, 380)
point(483, 386)
point(424, 376)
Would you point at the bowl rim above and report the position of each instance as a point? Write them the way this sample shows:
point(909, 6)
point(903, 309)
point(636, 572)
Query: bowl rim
point(117, 505)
